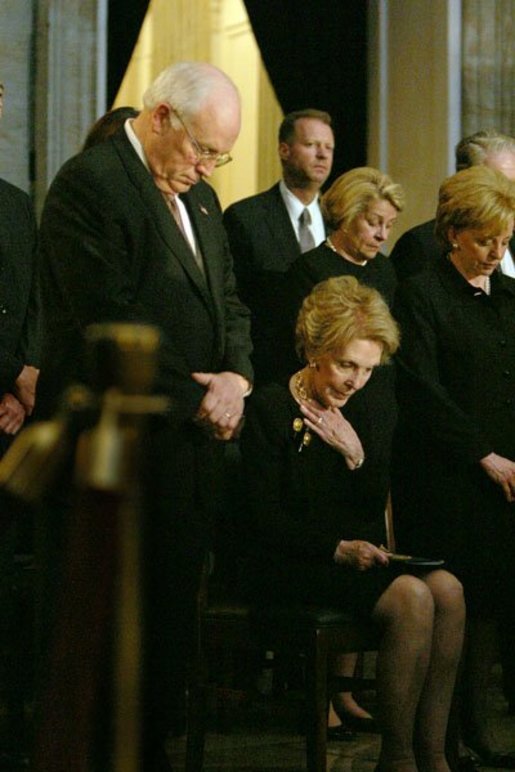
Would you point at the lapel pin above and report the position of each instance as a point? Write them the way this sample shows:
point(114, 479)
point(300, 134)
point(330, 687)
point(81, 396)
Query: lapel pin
point(203, 209)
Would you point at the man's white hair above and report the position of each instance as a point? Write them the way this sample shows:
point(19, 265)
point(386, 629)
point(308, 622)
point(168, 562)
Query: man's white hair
point(187, 86)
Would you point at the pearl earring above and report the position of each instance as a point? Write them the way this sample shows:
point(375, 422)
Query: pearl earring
point(454, 245)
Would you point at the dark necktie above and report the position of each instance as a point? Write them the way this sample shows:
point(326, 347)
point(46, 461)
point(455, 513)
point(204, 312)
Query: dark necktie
point(306, 238)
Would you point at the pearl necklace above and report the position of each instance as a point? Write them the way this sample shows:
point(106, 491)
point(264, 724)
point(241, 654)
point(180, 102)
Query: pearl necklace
point(486, 289)
point(345, 257)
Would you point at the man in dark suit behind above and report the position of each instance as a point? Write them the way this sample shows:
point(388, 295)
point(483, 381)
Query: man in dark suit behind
point(266, 232)
point(418, 247)
point(18, 311)
point(131, 232)
point(19, 341)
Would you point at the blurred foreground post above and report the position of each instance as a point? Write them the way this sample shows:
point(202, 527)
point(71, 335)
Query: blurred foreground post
point(91, 685)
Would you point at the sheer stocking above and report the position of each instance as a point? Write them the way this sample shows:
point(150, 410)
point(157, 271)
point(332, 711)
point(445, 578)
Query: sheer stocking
point(436, 697)
point(405, 612)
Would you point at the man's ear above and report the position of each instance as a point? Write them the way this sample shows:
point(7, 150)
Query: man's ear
point(161, 117)
point(284, 151)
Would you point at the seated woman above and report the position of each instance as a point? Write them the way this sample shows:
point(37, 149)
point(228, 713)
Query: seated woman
point(312, 530)
point(454, 469)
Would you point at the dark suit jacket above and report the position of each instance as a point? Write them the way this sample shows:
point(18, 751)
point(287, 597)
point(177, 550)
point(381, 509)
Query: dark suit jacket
point(18, 285)
point(110, 250)
point(417, 249)
point(264, 245)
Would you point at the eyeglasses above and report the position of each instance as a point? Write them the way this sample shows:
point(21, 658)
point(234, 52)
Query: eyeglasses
point(202, 153)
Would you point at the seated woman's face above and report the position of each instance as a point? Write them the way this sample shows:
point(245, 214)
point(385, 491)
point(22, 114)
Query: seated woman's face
point(338, 375)
point(478, 252)
point(364, 236)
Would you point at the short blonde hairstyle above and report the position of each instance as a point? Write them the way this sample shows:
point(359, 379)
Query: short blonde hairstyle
point(479, 197)
point(340, 310)
point(350, 195)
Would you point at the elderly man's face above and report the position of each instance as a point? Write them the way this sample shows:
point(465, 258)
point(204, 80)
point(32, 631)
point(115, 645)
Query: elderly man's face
point(308, 157)
point(170, 152)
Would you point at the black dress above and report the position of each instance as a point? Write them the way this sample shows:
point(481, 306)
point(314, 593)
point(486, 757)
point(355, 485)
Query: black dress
point(457, 404)
point(300, 504)
point(322, 263)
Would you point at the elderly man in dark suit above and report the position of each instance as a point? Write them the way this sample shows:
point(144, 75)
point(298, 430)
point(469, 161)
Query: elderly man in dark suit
point(131, 231)
point(267, 232)
point(418, 247)
point(19, 352)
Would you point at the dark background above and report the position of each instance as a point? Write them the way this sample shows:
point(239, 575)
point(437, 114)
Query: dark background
point(315, 52)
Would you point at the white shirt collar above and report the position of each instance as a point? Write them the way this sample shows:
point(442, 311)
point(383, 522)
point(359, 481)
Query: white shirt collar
point(295, 207)
point(136, 144)
point(508, 264)
point(183, 212)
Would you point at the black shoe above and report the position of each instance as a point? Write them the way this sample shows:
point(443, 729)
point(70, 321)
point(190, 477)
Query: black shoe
point(467, 764)
point(339, 734)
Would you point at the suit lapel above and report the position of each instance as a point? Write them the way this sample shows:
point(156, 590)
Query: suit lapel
point(279, 222)
point(156, 206)
point(201, 215)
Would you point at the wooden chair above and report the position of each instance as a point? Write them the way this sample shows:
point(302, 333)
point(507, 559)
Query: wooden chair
point(317, 633)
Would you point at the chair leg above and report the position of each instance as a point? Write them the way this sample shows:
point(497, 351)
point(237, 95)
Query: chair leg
point(196, 720)
point(316, 704)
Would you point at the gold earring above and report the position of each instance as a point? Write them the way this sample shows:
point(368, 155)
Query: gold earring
point(454, 244)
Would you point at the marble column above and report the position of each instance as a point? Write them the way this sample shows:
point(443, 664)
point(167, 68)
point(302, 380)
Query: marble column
point(16, 68)
point(70, 81)
point(488, 66)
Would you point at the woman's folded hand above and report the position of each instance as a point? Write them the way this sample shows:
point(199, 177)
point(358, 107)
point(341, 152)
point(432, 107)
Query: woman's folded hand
point(502, 471)
point(360, 554)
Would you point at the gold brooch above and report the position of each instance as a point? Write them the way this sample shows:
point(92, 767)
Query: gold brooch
point(298, 426)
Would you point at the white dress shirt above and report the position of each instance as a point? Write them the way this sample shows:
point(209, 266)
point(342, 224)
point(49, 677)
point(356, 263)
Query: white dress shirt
point(508, 264)
point(295, 207)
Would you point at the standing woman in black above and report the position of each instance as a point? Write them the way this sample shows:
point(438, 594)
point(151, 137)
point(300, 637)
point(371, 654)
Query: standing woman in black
point(454, 460)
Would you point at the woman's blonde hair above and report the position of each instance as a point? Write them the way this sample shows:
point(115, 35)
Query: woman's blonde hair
point(340, 310)
point(479, 198)
point(351, 194)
